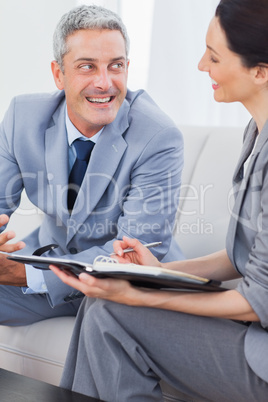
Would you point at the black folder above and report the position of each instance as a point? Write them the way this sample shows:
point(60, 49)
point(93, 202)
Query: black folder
point(138, 275)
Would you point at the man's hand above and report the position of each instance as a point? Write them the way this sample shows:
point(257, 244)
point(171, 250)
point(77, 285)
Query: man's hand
point(11, 272)
point(8, 235)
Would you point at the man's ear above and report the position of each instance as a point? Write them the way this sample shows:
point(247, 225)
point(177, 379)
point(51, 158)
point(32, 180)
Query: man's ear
point(57, 74)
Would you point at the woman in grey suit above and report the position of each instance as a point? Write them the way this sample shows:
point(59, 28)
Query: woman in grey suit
point(210, 346)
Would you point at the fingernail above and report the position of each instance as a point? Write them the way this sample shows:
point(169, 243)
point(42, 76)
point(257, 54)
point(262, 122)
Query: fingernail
point(83, 277)
point(10, 235)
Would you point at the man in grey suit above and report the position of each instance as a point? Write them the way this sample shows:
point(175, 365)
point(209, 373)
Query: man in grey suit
point(132, 179)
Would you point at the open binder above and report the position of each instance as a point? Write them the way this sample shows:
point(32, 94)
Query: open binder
point(138, 275)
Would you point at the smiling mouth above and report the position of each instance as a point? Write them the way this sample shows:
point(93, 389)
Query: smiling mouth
point(215, 85)
point(100, 100)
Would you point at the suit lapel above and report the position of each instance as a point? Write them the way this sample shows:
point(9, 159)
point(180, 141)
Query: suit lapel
point(56, 154)
point(104, 160)
point(248, 144)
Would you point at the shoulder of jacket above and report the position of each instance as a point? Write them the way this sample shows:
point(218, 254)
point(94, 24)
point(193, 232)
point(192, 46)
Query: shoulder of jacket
point(52, 97)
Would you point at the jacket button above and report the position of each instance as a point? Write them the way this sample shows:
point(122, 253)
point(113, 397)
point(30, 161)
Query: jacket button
point(73, 250)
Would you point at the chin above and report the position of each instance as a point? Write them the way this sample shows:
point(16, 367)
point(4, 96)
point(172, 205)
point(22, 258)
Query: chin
point(219, 99)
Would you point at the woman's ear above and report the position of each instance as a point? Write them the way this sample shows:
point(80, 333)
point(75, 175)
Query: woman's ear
point(57, 75)
point(261, 73)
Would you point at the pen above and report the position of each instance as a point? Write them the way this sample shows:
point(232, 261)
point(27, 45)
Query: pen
point(148, 245)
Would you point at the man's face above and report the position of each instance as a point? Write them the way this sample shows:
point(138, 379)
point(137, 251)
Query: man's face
point(94, 78)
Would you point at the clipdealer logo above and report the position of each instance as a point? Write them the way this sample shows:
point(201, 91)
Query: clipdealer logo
point(132, 200)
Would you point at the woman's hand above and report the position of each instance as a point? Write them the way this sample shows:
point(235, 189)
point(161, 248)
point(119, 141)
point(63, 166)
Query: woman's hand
point(116, 290)
point(229, 304)
point(8, 235)
point(141, 255)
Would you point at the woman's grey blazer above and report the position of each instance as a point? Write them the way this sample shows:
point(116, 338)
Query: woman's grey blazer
point(247, 241)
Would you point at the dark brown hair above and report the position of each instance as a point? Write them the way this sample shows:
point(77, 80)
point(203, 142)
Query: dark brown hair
point(245, 23)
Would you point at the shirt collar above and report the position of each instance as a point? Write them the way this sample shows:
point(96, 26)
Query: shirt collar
point(73, 133)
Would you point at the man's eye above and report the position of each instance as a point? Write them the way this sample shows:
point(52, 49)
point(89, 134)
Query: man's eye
point(86, 67)
point(117, 65)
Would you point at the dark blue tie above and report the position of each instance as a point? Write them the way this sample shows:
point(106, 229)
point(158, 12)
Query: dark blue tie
point(83, 151)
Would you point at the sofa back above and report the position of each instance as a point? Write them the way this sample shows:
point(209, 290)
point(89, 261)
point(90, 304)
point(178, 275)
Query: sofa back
point(211, 154)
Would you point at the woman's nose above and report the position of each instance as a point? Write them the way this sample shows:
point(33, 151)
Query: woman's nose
point(203, 65)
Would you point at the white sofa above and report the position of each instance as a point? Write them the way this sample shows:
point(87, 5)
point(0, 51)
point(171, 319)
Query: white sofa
point(39, 350)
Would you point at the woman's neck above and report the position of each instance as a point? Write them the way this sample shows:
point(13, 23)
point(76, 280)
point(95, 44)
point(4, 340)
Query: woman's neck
point(258, 108)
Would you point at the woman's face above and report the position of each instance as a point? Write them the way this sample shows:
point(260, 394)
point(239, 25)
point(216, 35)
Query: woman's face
point(231, 81)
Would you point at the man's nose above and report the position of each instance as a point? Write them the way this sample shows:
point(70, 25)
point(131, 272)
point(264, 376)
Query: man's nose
point(103, 80)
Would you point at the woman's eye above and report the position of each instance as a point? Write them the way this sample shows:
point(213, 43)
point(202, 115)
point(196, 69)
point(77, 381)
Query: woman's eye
point(213, 60)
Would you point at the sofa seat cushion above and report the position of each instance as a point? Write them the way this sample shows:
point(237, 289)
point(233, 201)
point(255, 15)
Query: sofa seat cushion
point(38, 350)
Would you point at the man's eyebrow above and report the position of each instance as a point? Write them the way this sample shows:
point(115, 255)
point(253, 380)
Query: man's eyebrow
point(213, 50)
point(119, 58)
point(86, 59)
point(91, 59)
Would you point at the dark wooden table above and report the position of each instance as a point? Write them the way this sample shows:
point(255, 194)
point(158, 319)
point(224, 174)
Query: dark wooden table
point(18, 388)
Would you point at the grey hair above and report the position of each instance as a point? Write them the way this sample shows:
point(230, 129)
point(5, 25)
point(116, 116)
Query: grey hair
point(85, 17)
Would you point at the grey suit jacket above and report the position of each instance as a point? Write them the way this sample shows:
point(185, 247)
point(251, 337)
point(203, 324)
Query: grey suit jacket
point(247, 242)
point(131, 185)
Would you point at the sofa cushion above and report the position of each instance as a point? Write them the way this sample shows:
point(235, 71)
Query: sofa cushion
point(205, 201)
point(37, 350)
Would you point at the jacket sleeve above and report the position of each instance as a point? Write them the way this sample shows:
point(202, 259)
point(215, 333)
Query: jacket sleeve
point(253, 219)
point(11, 181)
